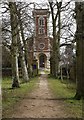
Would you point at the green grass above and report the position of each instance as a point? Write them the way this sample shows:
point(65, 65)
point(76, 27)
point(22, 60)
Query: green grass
point(66, 91)
point(11, 97)
point(47, 71)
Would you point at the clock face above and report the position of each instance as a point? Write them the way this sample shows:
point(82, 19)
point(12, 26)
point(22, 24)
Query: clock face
point(41, 45)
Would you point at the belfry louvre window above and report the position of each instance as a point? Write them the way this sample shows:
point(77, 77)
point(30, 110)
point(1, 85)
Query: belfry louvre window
point(41, 25)
point(41, 21)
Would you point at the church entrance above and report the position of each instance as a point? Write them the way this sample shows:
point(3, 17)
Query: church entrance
point(42, 60)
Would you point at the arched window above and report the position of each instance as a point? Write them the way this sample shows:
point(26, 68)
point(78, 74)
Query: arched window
point(41, 31)
point(41, 21)
point(41, 25)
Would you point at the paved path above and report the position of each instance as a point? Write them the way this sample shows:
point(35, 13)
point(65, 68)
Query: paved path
point(40, 103)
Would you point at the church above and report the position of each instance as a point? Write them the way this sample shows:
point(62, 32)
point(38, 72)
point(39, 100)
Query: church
point(38, 46)
point(41, 41)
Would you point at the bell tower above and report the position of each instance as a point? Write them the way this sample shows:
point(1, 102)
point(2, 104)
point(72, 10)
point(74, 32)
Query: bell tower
point(41, 39)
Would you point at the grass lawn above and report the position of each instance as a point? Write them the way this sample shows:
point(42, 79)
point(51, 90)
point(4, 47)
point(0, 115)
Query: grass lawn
point(10, 97)
point(65, 91)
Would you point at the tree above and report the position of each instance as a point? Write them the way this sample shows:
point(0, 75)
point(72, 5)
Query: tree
point(79, 8)
point(56, 38)
point(22, 59)
point(25, 20)
point(67, 57)
point(22, 50)
point(14, 47)
point(22, 24)
point(63, 34)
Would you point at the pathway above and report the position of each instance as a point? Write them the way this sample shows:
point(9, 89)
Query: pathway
point(40, 103)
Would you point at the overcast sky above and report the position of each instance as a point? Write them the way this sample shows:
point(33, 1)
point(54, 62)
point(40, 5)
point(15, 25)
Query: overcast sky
point(40, 1)
point(43, 1)
point(37, 1)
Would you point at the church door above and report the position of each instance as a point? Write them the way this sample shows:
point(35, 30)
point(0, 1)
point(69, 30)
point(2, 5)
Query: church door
point(42, 61)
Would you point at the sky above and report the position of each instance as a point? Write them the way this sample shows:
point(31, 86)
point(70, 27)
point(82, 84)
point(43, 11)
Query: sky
point(40, 1)
point(37, 1)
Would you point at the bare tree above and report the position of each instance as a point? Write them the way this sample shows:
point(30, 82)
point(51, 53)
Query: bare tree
point(23, 30)
point(23, 50)
point(14, 47)
point(62, 17)
point(22, 59)
point(56, 37)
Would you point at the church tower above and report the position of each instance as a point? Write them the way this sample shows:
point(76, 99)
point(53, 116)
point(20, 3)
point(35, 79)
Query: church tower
point(41, 39)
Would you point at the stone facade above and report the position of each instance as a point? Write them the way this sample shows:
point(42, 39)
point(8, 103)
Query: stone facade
point(41, 42)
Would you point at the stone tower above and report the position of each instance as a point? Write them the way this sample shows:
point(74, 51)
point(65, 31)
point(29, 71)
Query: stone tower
point(41, 39)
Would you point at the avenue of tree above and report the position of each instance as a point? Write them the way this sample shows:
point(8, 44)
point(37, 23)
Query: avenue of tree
point(18, 26)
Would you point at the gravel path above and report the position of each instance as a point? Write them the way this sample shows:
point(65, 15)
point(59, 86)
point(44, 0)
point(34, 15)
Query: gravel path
point(40, 103)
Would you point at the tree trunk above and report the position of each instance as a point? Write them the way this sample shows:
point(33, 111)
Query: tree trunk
point(56, 39)
point(14, 48)
point(61, 73)
point(22, 59)
point(24, 44)
point(80, 49)
point(15, 71)
point(54, 53)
